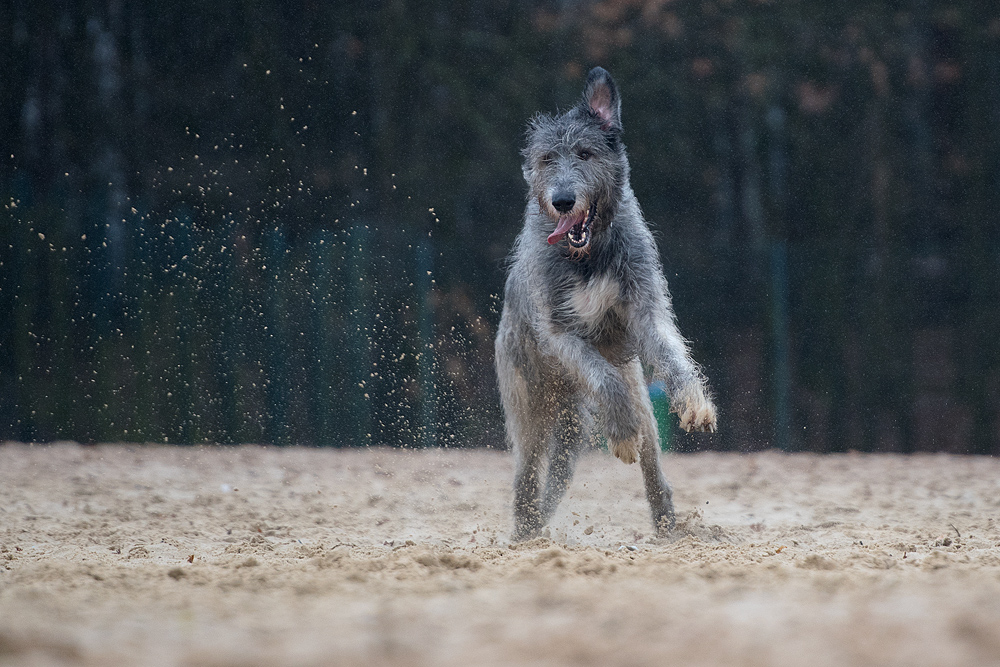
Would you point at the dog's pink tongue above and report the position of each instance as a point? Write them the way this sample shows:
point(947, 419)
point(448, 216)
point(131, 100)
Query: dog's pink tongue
point(565, 224)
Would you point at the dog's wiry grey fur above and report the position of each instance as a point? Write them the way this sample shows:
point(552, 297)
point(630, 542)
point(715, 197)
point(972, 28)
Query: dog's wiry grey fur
point(585, 305)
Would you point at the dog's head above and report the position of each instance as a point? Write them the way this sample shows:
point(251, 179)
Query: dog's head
point(576, 167)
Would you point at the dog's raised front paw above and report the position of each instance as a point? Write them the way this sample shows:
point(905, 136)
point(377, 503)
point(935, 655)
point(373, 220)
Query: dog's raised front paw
point(697, 413)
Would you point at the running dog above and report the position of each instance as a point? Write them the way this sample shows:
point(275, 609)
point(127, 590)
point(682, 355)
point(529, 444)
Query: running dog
point(585, 305)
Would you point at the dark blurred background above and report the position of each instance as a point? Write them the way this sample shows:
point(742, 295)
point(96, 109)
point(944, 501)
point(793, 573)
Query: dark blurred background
point(286, 222)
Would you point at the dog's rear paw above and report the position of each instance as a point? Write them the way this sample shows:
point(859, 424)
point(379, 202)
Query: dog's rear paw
point(665, 523)
point(626, 450)
point(697, 413)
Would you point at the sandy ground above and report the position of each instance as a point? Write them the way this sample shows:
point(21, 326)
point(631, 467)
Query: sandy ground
point(256, 556)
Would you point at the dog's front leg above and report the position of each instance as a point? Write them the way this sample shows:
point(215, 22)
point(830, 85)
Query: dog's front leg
point(586, 366)
point(663, 348)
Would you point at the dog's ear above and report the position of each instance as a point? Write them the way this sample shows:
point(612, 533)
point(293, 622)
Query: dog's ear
point(601, 100)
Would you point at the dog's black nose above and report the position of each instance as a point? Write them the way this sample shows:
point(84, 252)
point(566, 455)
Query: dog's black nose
point(563, 202)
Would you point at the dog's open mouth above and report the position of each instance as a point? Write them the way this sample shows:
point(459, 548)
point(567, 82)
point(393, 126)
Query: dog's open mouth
point(576, 229)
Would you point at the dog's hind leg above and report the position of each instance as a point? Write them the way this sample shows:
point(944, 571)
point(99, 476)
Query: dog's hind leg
point(658, 491)
point(574, 428)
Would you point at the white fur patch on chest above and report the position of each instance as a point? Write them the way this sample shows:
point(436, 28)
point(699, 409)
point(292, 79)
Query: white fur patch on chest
point(589, 302)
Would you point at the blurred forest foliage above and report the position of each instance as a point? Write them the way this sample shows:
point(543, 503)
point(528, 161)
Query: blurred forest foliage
point(286, 221)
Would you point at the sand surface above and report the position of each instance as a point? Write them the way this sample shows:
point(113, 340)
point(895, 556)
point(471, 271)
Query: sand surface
point(258, 556)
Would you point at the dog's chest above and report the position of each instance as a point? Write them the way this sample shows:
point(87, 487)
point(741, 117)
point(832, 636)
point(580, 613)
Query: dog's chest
point(588, 303)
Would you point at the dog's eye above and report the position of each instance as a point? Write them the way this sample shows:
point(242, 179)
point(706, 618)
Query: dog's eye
point(585, 155)
point(548, 158)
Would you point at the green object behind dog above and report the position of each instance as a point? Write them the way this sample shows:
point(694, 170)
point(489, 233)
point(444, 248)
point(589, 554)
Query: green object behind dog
point(661, 410)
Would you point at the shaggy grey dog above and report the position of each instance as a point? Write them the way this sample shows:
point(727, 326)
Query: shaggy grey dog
point(585, 305)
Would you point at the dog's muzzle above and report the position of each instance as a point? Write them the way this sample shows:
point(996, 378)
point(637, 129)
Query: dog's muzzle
point(576, 229)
